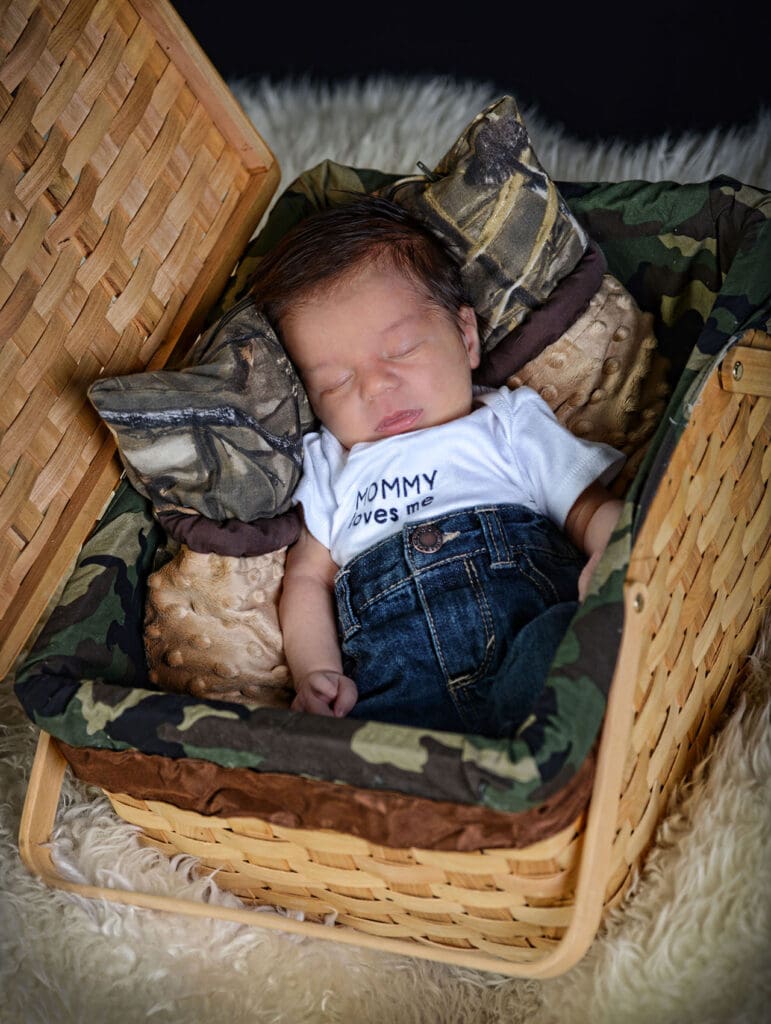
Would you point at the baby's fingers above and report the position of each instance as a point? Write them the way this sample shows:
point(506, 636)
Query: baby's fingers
point(347, 695)
point(323, 685)
point(313, 705)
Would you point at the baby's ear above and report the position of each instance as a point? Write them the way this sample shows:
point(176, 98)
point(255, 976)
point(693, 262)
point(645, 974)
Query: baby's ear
point(469, 331)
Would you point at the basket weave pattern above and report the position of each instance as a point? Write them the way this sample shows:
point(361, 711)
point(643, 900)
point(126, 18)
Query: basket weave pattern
point(505, 902)
point(116, 186)
point(703, 553)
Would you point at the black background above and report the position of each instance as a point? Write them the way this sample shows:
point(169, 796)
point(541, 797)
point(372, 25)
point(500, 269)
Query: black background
point(629, 70)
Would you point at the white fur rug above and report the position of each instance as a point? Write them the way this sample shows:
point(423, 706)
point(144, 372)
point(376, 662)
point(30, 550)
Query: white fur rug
point(690, 944)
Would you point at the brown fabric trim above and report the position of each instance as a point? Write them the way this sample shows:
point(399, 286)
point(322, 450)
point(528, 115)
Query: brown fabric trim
point(545, 324)
point(231, 536)
point(382, 817)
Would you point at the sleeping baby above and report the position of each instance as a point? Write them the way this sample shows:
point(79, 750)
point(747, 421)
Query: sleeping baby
point(449, 530)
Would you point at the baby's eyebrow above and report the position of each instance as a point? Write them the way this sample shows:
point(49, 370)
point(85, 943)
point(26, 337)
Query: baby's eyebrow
point(400, 322)
point(326, 365)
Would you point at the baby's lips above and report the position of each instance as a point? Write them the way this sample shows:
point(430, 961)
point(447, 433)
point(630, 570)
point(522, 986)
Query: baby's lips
point(398, 422)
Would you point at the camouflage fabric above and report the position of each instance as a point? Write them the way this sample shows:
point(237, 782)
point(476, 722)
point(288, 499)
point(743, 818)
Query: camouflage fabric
point(697, 257)
point(223, 435)
point(490, 199)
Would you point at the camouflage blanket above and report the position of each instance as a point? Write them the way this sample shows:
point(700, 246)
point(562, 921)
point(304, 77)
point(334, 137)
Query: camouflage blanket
point(697, 257)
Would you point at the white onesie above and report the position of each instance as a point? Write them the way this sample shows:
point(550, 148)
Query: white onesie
point(510, 449)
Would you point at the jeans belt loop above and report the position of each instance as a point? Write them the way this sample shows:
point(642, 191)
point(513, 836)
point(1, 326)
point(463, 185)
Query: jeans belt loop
point(495, 536)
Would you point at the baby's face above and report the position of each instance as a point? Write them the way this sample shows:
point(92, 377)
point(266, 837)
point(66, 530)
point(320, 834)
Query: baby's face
point(377, 359)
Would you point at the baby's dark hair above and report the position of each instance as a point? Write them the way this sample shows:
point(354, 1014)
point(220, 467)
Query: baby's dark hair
point(324, 247)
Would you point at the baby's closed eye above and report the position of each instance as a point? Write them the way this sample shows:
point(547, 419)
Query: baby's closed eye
point(404, 350)
point(331, 387)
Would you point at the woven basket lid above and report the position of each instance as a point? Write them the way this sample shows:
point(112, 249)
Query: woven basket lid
point(130, 182)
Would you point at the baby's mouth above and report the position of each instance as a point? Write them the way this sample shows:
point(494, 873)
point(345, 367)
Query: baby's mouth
point(398, 422)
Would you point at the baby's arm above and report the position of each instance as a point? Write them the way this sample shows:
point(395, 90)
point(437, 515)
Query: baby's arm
point(312, 650)
point(589, 524)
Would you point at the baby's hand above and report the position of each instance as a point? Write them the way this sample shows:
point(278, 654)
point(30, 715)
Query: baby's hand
point(325, 693)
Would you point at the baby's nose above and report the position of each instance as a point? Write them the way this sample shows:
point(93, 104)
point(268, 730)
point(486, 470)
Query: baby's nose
point(376, 380)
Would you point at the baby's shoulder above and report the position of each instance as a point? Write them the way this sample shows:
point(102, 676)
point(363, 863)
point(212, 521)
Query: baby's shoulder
point(505, 401)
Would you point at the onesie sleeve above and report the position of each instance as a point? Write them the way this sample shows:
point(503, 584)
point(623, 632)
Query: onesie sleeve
point(314, 491)
point(555, 464)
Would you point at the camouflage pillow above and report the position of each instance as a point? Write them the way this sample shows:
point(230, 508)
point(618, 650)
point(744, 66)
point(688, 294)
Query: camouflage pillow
point(223, 435)
point(502, 215)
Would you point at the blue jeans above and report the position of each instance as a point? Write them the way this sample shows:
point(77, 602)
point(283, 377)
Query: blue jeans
point(453, 622)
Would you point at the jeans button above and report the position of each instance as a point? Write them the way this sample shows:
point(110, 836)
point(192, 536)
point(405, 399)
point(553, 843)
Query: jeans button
point(427, 539)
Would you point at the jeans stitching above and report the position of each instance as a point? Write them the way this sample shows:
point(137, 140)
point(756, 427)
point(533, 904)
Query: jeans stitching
point(416, 574)
point(467, 680)
point(494, 531)
point(347, 620)
point(487, 622)
point(542, 583)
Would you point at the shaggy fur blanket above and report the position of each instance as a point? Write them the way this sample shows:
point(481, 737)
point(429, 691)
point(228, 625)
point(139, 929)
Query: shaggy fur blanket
point(690, 943)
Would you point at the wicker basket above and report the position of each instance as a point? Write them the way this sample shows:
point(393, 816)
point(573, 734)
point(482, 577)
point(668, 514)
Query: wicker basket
point(695, 593)
point(131, 182)
point(134, 183)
